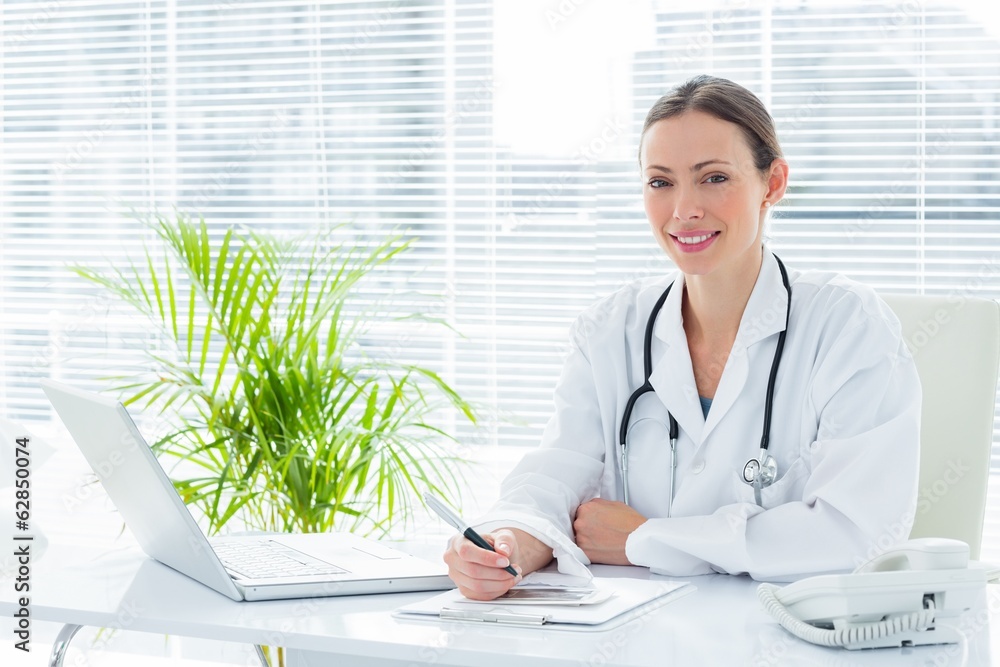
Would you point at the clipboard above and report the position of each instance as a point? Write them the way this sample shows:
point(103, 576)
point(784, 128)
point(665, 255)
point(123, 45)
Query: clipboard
point(628, 599)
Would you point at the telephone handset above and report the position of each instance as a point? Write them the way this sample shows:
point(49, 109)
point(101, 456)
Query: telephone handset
point(895, 599)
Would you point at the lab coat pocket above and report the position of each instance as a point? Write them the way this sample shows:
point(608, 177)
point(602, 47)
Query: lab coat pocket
point(787, 488)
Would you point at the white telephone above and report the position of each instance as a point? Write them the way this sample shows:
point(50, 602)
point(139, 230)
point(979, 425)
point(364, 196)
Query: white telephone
point(896, 599)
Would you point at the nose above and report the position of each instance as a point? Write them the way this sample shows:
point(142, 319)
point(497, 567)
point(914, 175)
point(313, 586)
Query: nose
point(686, 205)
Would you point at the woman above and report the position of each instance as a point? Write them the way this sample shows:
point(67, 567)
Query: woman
point(835, 472)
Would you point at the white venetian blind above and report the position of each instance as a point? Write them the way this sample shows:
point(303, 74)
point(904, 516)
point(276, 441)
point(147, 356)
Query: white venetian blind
point(275, 115)
point(383, 115)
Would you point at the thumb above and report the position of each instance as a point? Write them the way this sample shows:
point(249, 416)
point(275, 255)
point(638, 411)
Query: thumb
point(503, 542)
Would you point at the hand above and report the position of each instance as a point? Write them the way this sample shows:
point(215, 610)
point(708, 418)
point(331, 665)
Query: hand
point(602, 527)
point(478, 572)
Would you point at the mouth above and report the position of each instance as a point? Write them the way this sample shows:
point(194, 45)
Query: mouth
point(695, 241)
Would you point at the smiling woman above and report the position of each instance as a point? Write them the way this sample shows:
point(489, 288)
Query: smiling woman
point(704, 198)
point(712, 167)
point(839, 464)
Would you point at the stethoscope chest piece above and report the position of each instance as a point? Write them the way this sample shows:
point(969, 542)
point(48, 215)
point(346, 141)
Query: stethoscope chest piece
point(760, 471)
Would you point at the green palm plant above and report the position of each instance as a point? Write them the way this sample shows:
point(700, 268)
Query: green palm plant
point(290, 425)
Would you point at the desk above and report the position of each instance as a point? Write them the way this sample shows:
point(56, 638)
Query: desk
point(721, 623)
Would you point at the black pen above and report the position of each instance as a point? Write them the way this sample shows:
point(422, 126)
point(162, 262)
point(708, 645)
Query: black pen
point(448, 515)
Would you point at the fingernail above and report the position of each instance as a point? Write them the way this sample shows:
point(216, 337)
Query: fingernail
point(502, 562)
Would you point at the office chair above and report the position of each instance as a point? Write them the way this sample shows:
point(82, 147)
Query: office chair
point(955, 341)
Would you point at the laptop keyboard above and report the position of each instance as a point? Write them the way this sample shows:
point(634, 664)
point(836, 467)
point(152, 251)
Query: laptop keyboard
point(268, 560)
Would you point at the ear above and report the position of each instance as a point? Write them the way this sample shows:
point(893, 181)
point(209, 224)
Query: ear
point(777, 181)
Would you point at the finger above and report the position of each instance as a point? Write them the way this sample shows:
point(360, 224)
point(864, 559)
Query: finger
point(468, 551)
point(485, 589)
point(479, 572)
point(478, 591)
point(504, 542)
point(466, 557)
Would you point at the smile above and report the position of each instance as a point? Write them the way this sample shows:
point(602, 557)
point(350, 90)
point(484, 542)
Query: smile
point(694, 242)
point(691, 240)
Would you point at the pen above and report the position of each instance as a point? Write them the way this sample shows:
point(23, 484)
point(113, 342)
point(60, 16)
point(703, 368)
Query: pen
point(446, 513)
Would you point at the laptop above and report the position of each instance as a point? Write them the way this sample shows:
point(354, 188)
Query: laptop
point(250, 567)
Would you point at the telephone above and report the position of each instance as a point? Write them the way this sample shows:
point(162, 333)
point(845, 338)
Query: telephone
point(897, 599)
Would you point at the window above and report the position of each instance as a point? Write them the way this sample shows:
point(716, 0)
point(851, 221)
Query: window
point(500, 136)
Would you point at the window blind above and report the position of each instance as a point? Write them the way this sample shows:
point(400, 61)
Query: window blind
point(382, 115)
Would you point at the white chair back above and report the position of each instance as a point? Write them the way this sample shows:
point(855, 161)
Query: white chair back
point(955, 342)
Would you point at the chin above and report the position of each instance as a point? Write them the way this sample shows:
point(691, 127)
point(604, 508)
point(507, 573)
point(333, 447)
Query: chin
point(693, 266)
point(695, 269)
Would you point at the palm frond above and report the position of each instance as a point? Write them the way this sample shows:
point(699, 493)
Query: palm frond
point(280, 418)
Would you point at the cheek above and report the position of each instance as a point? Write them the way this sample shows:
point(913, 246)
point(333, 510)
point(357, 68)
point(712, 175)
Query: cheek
point(656, 207)
point(734, 205)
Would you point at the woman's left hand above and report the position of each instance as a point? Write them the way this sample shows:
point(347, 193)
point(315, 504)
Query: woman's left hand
point(602, 527)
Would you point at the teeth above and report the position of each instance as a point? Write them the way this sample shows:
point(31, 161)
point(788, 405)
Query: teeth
point(691, 240)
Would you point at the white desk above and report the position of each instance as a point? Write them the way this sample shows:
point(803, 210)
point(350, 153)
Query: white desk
point(720, 623)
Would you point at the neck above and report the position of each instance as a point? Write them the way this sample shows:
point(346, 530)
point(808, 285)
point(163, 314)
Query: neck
point(714, 304)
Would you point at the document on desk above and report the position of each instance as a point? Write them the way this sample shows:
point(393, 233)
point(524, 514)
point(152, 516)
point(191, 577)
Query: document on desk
point(605, 603)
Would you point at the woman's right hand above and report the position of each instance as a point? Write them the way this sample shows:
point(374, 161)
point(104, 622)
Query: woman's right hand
point(479, 573)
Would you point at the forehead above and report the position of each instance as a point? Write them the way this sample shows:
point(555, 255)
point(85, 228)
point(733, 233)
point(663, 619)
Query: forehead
point(693, 137)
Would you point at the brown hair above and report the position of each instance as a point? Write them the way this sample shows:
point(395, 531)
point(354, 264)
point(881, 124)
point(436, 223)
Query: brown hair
point(726, 101)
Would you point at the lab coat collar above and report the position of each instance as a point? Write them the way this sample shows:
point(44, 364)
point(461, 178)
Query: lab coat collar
point(765, 312)
point(673, 376)
point(763, 317)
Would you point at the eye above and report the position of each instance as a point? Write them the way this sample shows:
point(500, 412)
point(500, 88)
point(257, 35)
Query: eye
point(717, 178)
point(656, 183)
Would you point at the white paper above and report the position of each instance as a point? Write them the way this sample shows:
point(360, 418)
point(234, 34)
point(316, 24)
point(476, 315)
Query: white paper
point(555, 579)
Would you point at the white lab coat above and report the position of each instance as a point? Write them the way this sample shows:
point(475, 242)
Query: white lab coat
point(844, 432)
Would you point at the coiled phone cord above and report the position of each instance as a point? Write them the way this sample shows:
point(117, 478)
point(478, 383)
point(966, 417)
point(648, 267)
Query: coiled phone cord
point(855, 634)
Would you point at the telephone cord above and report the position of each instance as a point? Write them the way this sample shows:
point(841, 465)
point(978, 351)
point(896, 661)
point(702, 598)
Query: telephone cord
point(855, 634)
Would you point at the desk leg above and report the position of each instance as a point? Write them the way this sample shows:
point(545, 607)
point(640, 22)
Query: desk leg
point(68, 631)
point(61, 643)
point(261, 656)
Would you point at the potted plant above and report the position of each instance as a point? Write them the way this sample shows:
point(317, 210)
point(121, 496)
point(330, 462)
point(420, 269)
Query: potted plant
point(286, 423)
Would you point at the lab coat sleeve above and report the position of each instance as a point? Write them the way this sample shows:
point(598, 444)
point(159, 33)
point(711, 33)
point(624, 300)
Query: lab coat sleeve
point(860, 493)
point(541, 493)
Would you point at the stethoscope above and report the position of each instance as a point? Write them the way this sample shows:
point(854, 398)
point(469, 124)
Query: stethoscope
point(759, 472)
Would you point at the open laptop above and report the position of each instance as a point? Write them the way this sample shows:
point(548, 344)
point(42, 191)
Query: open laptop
point(266, 567)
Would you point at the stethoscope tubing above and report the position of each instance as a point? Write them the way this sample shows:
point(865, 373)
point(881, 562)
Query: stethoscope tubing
point(763, 467)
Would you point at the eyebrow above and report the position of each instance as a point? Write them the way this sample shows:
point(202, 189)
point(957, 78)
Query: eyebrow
point(700, 165)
